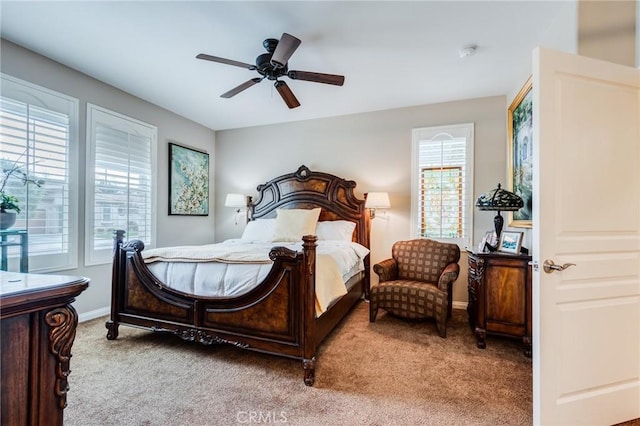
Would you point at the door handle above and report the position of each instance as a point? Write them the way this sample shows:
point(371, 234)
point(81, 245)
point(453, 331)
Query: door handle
point(549, 266)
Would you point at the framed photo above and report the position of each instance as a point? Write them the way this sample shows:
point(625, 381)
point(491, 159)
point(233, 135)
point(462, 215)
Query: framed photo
point(188, 181)
point(520, 156)
point(510, 242)
point(481, 244)
point(488, 238)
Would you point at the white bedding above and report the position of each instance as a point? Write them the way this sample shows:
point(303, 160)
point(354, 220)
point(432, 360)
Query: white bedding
point(234, 267)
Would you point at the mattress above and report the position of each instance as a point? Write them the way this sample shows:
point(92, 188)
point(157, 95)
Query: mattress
point(235, 267)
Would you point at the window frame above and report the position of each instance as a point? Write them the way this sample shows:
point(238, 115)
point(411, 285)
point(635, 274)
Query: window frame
point(124, 123)
point(465, 130)
point(33, 94)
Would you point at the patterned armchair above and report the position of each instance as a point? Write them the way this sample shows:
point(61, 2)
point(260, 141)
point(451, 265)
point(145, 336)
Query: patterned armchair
point(417, 281)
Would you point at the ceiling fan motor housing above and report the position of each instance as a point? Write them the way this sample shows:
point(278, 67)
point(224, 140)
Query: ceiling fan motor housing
point(267, 69)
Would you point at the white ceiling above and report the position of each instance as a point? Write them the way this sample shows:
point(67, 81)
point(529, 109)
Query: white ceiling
point(392, 54)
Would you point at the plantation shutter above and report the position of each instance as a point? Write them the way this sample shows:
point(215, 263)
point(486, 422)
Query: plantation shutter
point(37, 139)
point(122, 193)
point(443, 181)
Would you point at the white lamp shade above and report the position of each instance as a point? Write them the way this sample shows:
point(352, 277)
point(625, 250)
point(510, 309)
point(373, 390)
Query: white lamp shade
point(377, 200)
point(235, 200)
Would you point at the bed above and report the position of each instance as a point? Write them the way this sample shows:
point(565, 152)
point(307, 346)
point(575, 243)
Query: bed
point(280, 315)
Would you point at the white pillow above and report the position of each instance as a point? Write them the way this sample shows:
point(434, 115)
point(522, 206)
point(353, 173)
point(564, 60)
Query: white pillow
point(259, 230)
point(341, 230)
point(293, 224)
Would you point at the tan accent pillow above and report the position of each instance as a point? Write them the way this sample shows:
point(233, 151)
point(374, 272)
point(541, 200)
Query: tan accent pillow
point(293, 224)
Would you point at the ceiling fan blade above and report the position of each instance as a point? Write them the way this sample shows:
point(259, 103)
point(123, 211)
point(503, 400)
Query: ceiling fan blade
point(285, 48)
point(317, 77)
point(225, 61)
point(241, 87)
point(287, 95)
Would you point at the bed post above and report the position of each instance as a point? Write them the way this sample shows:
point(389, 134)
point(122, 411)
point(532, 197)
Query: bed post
point(309, 309)
point(116, 272)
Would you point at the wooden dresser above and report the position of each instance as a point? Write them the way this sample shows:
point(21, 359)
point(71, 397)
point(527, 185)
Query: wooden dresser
point(38, 326)
point(500, 296)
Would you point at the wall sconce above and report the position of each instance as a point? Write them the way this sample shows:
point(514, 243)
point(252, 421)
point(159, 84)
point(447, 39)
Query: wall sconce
point(376, 200)
point(499, 200)
point(236, 200)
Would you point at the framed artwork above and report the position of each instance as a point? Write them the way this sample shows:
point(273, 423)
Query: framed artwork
point(520, 155)
point(510, 242)
point(188, 181)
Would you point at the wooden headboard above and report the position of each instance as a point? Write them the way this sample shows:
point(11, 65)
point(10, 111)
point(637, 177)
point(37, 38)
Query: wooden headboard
point(305, 189)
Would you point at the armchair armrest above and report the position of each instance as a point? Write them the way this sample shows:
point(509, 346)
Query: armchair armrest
point(448, 276)
point(387, 270)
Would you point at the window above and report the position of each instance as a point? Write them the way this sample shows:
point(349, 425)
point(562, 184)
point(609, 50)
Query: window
point(38, 134)
point(121, 174)
point(442, 183)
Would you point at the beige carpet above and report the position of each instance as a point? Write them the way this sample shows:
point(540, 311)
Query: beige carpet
point(391, 372)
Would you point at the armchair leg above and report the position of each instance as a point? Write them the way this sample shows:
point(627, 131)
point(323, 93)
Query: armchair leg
point(441, 325)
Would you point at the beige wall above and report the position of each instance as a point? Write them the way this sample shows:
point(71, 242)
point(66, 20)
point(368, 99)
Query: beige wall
point(607, 30)
point(374, 149)
point(26, 65)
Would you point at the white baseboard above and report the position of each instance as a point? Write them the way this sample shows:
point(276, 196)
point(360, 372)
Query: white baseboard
point(459, 305)
point(97, 313)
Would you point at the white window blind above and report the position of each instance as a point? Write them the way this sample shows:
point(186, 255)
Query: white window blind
point(38, 133)
point(442, 183)
point(121, 175)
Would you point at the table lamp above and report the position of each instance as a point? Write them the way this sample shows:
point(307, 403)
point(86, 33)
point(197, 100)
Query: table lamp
point(499, 200)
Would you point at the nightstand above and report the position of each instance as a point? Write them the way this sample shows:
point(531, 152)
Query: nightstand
point(500, 296)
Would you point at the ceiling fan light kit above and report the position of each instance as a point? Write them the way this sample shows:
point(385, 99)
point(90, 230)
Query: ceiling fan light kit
point(273, 65)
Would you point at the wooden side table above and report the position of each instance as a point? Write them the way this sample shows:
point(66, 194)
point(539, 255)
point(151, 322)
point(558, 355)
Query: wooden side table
point(23, 242)
point(500, 296)
point(38, 326)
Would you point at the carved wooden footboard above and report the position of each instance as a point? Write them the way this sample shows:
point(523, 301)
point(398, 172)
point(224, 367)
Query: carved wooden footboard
point(276, 317)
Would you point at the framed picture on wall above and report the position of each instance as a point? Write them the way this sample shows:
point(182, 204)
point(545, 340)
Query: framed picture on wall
point(188, 181)
point(520, 155)
point(510, 242)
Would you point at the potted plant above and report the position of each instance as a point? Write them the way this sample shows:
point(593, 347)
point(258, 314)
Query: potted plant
point(9, 204)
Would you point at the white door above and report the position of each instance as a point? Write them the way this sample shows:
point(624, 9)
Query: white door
point(586, 352)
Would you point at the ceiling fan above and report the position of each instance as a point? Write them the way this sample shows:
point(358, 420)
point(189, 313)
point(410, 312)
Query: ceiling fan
point(273, 65)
